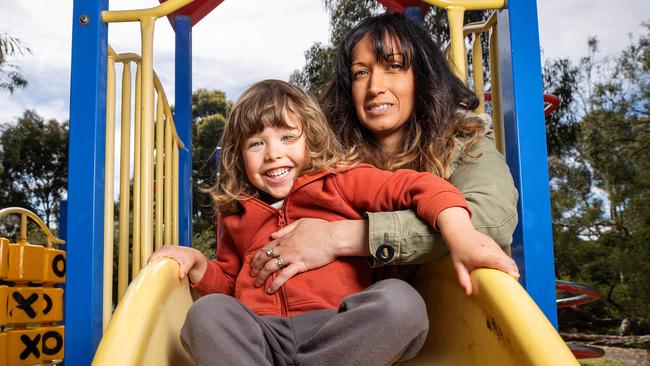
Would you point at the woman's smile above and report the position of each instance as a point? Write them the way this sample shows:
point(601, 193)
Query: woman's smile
point(378, 108)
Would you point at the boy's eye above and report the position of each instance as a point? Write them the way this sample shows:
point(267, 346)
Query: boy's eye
point(254, 144)
point(288, 137)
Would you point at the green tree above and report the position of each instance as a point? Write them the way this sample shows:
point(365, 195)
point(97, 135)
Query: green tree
point(209, 111)
point(34, 160)
point(600, 180)
point(10, 75)
point(616, 136)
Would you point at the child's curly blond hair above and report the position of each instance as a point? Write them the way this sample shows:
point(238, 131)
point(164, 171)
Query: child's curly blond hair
point(267, 104)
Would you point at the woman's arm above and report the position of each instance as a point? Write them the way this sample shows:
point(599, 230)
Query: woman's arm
point(486, 183)
point(401, 237)
point(488, 187)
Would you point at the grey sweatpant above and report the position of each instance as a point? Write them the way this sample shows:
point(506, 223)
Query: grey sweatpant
point(385, 323)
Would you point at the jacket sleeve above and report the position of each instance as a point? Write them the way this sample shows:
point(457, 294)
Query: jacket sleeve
point(221, 272)
point(369, 189)
point(485, 181)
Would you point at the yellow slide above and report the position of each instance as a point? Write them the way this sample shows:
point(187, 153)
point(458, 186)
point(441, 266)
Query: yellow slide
point(146, 325)
point(498, 325)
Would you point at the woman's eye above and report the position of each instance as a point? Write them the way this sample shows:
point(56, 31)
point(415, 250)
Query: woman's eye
point(359, 73)
point(395, 66)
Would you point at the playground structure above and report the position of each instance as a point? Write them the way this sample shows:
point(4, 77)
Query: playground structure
point(501, 324)
point(31, 297)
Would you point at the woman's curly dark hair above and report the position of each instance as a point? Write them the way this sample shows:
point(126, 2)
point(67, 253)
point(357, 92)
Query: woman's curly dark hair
point(442, 112)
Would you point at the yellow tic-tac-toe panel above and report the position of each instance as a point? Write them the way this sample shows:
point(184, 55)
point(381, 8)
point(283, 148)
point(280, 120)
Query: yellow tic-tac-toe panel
point(24, 347)
point(4, 257)
point(52, 343)
point(25, 263)
point(52, 303)
point(54, 266)
point(24, 305)
point(3, 348)
point(31, 346)
point(4, 293)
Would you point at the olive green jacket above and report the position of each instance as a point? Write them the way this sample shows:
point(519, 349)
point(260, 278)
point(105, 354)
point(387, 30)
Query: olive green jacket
point(484, 178)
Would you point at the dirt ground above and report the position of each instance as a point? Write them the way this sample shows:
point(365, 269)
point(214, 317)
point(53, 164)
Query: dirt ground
point(631, 356)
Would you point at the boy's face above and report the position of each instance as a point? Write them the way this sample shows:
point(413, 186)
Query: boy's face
point(274, 156)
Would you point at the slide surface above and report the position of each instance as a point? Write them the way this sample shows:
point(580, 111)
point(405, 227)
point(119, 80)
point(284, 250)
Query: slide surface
point(146, 324)
point(498, 325)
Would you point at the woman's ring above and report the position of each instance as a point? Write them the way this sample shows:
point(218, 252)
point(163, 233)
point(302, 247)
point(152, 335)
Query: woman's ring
point(279, 262)
point(269, 252)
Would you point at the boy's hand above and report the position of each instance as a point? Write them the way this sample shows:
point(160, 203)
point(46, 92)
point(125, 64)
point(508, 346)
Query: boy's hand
point(471, 249)
point(192, 262)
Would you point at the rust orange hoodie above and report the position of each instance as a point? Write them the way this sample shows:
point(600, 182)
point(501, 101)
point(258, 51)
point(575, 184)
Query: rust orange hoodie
point(342, 195)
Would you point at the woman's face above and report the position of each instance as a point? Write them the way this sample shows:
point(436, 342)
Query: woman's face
point(383, 92)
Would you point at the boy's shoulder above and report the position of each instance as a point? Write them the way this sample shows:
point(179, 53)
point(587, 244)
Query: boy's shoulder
point(339, 169)
point(332, 173)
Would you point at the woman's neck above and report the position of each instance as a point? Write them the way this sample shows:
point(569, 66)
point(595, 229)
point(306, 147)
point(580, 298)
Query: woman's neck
point(389, 143)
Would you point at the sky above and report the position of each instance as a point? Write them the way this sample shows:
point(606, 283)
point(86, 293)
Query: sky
point(243, 41)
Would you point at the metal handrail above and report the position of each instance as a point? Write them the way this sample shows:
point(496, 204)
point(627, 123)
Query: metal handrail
point(145, 236)
point(476, 29)
point(468, 4)
point(24, 215)
point(458, 60)
point(134, 57)
point(164, 9)
point(483, 26)
point(455, 14)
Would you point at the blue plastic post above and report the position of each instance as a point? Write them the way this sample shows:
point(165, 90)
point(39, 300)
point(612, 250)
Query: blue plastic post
point(217, 159)
point(525, 134)
point(83, 295)
point(414, 13)
point(63, 220)
point(183, 119)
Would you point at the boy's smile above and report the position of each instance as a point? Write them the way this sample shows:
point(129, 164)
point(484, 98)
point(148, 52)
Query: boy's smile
point(273, 158)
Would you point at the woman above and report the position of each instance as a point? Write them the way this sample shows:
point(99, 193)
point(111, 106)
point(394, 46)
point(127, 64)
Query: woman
point(394, 98)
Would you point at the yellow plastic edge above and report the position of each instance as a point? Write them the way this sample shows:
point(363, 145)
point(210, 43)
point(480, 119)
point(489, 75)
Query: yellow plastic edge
point(161, 10)
point(468, 4)
point(498, 325)
point(146, 324)
point(25, 213)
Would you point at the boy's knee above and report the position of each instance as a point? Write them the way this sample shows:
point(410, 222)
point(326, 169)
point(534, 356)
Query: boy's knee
point(402, 304)
point(209, 309)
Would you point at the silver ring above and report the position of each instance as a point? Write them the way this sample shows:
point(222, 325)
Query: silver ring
point(269, 252)
point(279, 262)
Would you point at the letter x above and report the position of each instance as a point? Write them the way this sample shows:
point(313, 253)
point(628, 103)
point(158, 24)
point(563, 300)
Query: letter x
point(31, 346)
point(26, 304)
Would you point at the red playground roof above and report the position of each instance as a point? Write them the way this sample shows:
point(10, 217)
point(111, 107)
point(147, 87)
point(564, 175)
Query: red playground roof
point(398, 6)
point(196, 10)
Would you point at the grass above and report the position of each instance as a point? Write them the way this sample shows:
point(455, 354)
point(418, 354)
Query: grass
point(603, 363)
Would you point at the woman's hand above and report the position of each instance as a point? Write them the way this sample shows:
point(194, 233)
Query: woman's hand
point(192, 262)
point(308, 244)
point(471, 249)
